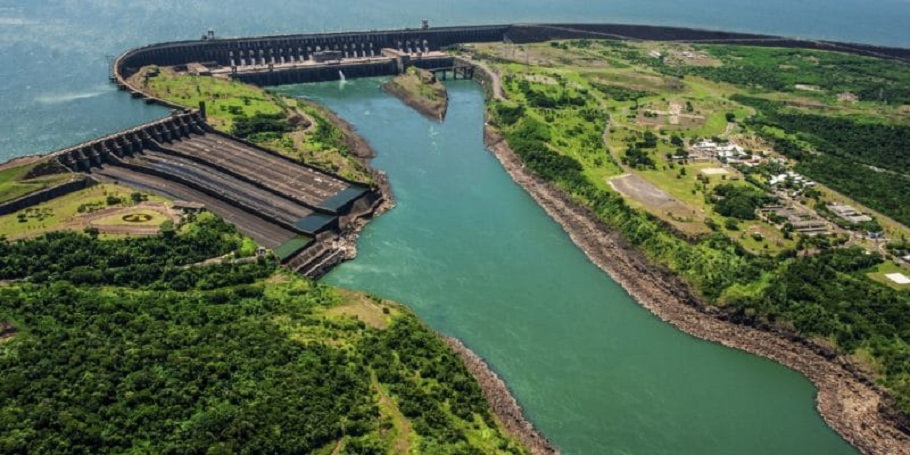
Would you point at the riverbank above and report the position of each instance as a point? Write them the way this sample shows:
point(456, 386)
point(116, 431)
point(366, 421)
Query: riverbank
point(501, 401)
point(497, 394)
point(363, 153)
point(847, 401)
point(419, 90)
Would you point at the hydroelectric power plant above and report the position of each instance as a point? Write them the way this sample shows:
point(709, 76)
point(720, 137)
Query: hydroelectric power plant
point(297, 210)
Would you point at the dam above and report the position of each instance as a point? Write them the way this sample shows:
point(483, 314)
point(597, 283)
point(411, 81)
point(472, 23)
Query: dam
point(280, 203)
point(297, 210)
point(318, 57)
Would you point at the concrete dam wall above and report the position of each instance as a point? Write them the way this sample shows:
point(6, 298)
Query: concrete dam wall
point(534, 33)
point(299, 48)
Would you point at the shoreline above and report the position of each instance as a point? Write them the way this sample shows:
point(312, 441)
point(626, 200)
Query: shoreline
point(502, 403)
point(496, 392)
point(850, 404)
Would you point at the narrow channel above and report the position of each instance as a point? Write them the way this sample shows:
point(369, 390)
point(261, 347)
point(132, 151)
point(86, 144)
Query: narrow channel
point(477, 259)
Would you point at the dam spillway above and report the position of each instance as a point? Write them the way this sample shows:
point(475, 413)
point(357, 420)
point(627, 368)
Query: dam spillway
point(273, 199)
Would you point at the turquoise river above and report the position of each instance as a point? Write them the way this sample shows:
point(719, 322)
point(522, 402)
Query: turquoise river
point(476, 258)
point(465, 247)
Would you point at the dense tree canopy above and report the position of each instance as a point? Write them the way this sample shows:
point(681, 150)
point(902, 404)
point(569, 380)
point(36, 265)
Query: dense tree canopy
point(119, 346)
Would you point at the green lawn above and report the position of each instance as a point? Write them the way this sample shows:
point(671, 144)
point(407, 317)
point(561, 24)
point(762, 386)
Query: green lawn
point(889, 267)
point(12, 184)
point(60, 213)
point(224, 98)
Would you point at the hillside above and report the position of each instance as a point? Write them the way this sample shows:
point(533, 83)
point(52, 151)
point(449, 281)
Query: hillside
point(127, 346)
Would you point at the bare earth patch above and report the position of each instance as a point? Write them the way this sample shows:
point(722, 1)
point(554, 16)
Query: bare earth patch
point(7, 331)
point(659, 203)
point(21, 161)
point(643, 191)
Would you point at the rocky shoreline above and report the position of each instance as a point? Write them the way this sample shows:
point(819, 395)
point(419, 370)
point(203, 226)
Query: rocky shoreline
point(848, 401)
point(501, 401)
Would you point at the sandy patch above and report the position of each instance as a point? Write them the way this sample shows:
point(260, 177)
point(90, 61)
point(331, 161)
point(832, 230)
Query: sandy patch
point(714, 171)
point(643, 191)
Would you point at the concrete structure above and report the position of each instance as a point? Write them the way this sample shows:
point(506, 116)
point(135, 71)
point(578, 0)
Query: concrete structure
point(272, 51)
point(848, 213)
point(187, 207)
point(797, 179)
point(803, 221)
point(198, 69)
point(250, 186)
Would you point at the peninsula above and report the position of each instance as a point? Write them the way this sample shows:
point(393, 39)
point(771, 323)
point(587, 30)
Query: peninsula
point(420, 90)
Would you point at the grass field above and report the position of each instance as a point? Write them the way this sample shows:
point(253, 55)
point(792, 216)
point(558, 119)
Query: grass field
point(63, 212)
point(890, 267)
point(13, 184)
point(416, 84)
point(620, 82)
point(313, 139)
point(224, 98)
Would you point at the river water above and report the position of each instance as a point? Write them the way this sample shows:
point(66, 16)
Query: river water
point(466, 248)
point(476, 258)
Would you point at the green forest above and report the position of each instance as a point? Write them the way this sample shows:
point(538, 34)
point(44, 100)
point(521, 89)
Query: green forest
point(124, 346)
point(782, 70)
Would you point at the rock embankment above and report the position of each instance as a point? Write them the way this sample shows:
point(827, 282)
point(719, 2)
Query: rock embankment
point(850, 403)
point(501, 401)
point(420, 90)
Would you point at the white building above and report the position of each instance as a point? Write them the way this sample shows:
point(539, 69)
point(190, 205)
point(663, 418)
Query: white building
point(705, 145)
point(798, 180)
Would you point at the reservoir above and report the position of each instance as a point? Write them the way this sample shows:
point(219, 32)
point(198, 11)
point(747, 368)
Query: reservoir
point(477, 259)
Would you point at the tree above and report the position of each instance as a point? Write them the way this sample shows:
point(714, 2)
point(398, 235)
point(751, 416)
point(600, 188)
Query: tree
point(676, 140)
point(137, 197)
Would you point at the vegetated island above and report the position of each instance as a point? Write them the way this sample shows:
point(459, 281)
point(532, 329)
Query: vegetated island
point(419, 89)
point(716, 184)
point(173, 332)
